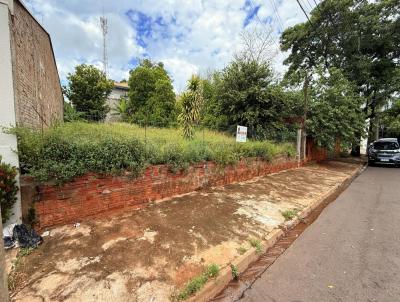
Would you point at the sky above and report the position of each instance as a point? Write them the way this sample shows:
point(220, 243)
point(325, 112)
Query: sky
point(188, 36)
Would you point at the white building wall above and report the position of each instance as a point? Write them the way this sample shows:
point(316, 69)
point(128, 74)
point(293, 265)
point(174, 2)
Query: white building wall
point(113, 101)
point(8, 142)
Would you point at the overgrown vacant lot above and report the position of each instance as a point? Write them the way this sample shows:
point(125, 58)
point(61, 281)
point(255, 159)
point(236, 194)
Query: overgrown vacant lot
point(72, 149)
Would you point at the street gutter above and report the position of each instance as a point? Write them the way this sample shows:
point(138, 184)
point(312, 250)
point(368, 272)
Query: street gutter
point(252, 264)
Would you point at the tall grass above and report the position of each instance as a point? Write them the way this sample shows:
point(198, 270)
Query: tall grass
point(72, 149)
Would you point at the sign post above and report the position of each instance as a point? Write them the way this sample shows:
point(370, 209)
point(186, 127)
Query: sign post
point(241, 134)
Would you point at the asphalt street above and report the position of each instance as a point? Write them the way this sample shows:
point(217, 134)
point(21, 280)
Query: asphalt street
point(350, 253)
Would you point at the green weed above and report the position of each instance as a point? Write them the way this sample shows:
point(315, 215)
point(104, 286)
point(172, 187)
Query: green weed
point(14, 278)
point(235, 273)
point(289, 214)
point(212, 271)
point(256, 244)
point(198, 282)
point(241, 250)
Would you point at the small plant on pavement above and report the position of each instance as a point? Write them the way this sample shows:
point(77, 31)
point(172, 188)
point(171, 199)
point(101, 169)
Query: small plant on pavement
point(289, 214)
point(212, 270)
point(256, 244)
point(16, 276)
point(235, 273)
point(198, 282)
point(242, 250)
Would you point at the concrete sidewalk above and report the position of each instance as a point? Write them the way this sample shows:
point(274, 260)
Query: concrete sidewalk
point(151, 253)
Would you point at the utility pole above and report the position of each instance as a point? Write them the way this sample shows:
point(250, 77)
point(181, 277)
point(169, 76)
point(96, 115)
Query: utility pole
point(104, 29)
point(305, 113)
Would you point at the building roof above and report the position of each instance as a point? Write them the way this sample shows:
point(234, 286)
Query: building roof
point(121, 85)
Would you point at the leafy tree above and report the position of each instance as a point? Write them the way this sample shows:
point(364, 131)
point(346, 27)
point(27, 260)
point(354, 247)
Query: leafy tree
point(360, 37)
point(335, 111)
point(391, 119)
point(191, 103)
point(249, 96)
point(151, 95)
point(88, 89)
point(212, 114)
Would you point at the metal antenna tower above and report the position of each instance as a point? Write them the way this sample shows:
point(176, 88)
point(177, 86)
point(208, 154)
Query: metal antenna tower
point(104, 28)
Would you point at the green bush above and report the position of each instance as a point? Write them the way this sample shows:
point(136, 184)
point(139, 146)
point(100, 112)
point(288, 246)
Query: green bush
point(8, 189)
point(73, 149)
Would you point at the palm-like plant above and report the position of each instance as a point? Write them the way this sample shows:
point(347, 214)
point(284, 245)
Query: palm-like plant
point(191, 102)
point(121, 109)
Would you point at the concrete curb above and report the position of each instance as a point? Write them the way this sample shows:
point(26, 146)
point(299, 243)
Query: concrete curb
point(212, 288)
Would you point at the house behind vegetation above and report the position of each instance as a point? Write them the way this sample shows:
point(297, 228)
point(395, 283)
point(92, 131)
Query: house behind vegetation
point(119, 91)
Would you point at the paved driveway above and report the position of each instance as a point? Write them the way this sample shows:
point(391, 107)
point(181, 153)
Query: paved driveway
point(350, 253)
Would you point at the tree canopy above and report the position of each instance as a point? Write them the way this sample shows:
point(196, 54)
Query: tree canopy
point(391, 119)
point(335, 110)
point(88, 89)
point(360, 37)
point(151, 96)
point(248, 95)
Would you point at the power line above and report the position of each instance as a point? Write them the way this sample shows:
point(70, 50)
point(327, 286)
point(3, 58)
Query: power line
point(305, 13)
point(278, 18)
point(309, 4)
point(263, 24)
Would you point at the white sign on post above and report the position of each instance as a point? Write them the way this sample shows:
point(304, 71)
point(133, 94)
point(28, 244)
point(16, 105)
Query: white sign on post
point(241, 134)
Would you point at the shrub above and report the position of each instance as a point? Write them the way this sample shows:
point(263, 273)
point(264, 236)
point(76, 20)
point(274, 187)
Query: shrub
point(72, 149)
point(8, 189)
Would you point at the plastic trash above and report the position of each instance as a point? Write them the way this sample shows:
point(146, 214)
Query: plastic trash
point(8, 230)
point(9, 243)
point(46, 233)
point(26, 237)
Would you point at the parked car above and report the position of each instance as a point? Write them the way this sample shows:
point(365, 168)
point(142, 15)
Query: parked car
point(384, 151)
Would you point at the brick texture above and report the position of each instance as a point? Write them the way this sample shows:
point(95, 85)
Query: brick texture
point(94, 194)
point(38, 95)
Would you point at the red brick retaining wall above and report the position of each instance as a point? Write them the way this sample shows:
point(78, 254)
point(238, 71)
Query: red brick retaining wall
point(93, 194)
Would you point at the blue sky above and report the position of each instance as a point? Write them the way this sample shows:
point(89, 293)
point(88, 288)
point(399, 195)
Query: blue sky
point(188, 36)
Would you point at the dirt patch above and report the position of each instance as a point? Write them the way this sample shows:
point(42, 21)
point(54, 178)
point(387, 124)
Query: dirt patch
point(149, 253)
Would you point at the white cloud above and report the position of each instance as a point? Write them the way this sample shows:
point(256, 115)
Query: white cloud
point(188, 36)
